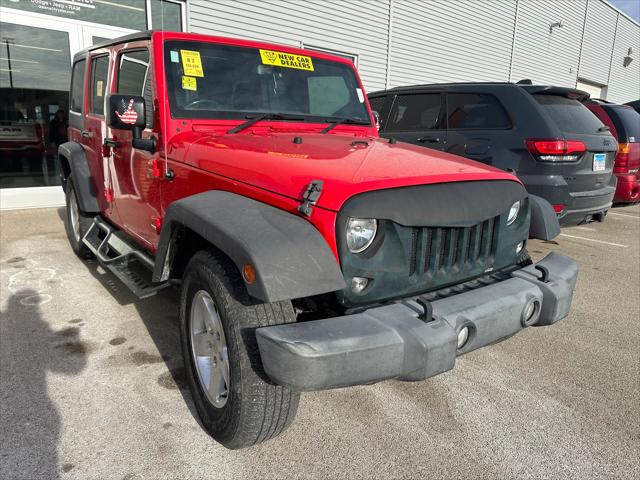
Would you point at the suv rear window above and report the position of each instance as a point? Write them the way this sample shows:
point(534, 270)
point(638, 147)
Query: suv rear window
point(626, 121)
point(569, 114)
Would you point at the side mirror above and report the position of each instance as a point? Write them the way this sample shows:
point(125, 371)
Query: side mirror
point(126, 112)
point(376, 117)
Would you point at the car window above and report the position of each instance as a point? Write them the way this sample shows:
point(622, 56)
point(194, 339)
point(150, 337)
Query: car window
point(77, 86)
point(134, 78)
point(99, 69)
point(475, 111)
point(626, 121)
point(570, 115)
point(415, 112)
point(377, 103)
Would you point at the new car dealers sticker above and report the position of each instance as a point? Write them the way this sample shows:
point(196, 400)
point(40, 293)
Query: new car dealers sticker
point(287, 60)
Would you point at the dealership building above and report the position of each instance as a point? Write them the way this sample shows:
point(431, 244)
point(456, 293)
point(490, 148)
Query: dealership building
point(587, 44)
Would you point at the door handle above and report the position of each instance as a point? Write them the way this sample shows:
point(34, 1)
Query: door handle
point(428, 139)
point(111, 143)
point(85, 134)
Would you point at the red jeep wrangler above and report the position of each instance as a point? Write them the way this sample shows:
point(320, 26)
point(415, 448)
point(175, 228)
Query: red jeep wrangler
point(311, 253)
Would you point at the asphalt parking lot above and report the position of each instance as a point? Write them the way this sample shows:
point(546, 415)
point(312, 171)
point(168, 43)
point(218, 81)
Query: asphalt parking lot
point(92, 383)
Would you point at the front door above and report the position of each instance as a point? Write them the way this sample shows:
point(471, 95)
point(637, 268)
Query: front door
point(135, 188)
point(417, 118)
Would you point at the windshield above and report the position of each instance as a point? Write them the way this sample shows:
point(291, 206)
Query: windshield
point(213, 81)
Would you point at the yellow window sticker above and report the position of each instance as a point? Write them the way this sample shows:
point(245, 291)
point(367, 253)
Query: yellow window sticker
point(191, 63)
point(288, 60)
point(189, 83)
point(99, 85)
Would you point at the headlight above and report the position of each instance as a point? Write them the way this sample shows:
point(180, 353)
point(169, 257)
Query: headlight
point(513, 213)
point(360, 233)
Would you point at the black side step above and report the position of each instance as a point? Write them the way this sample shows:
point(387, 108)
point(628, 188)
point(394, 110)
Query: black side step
point(115, 253)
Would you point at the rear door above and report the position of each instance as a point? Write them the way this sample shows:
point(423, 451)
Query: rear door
point(92, 133)
point(417, 118)
point(477, 124)
point(593, 168)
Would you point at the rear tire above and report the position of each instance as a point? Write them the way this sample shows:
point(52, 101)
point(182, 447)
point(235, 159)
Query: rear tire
point(218, 321)
point(77, 222)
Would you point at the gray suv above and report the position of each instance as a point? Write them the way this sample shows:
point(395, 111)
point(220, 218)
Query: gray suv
point(553, 143)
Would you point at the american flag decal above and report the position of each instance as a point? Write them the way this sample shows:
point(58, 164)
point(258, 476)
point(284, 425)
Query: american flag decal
point(130, 116)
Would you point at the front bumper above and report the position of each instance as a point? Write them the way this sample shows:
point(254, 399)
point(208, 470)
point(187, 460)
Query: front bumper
point(395, 341)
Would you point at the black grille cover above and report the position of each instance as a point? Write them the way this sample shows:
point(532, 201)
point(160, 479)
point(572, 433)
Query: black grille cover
point(434, 246)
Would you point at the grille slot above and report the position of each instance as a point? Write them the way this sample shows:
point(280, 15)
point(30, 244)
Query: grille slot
point(455, 248)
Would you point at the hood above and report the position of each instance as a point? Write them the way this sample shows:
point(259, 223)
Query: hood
point(348, 165)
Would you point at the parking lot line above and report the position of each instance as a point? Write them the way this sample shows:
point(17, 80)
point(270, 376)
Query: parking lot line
point(594, 240)
point(623, 215)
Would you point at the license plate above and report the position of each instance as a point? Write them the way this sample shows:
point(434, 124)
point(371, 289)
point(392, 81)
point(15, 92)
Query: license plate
point(599, 162)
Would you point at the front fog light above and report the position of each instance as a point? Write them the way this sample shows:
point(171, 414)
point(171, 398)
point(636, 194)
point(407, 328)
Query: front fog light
point(463, 336)
point(519, 247)
point(358, 284)
point(513, 213)
point(360, 233)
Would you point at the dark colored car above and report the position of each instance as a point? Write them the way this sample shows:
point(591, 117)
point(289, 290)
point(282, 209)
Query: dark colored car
point(558, 149)
point(624, 123)
point(310, 253)
point(635, 105)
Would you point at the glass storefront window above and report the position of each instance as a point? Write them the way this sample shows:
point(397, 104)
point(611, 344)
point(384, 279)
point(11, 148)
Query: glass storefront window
point(119, 13)
point(34, 84)
point(166, 15)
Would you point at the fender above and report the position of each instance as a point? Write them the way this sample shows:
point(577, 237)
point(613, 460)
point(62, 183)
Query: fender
point(290, 256)
point(544, 221)
point(85, 189)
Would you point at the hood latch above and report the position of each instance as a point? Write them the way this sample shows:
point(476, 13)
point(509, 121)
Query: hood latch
point(310, 197)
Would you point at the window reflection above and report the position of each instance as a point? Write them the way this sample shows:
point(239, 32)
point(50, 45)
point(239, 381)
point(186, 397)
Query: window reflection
point(34, 84)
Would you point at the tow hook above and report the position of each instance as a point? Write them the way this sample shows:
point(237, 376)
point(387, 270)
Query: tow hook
point(427, 310)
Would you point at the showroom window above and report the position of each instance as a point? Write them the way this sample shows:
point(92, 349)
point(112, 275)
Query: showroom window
point(415, 112)
point(35, 71)
point(166, 14)
point(475, 111)
point(99, 71)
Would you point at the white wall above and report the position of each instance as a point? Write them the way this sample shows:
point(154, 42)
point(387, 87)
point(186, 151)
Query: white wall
point(429, 41)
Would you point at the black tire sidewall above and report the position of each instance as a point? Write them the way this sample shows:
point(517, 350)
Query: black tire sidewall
point(200, 276)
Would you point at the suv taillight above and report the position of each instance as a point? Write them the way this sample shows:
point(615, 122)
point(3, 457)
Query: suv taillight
point(554, 150)
point(627, 158)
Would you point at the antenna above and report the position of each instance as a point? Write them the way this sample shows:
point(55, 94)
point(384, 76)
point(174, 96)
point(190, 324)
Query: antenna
point(166, 104)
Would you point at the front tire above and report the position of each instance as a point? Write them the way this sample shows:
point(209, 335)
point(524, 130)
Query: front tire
point(236, 402)
point(77, 222)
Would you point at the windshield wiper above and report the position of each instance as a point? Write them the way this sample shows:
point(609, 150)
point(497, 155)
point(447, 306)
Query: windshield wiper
point(341, 121)
point(263, 116)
